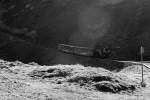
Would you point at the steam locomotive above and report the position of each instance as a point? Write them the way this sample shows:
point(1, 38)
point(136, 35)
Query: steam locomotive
point(84, 51)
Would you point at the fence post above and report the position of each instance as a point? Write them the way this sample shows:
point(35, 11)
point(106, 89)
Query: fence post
point(143, 84)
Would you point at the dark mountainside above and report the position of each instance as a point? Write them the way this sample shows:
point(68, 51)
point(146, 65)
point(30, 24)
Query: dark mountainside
point(30, 30)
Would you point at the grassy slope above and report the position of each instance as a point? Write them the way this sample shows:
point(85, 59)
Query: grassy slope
point(68, 82)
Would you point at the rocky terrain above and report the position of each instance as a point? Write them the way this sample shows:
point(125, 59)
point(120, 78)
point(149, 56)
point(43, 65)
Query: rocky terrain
point(19, 81)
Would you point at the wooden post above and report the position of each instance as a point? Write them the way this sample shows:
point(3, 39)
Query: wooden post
point(141, 54)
